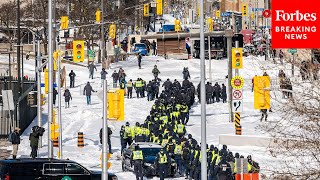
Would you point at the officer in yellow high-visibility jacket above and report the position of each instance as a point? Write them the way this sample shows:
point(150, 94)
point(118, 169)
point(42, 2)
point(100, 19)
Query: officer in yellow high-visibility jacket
point(178, 157)
point(162, 161)
point(137, 157)
point(128, 134)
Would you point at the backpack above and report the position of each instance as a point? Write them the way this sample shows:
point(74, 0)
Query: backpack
point(10, 137)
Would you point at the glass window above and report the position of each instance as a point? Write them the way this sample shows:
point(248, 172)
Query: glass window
point(24, 169)
point(75, 169)
point(150, 151)
point(53, 169)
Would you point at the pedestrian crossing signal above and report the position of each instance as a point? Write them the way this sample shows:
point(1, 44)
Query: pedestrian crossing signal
point(64, 22)
point(177, 25)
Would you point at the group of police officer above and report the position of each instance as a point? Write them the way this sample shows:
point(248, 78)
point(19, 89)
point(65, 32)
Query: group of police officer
point(166, 125)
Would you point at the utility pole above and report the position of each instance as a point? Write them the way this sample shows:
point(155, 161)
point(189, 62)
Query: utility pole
point(59, 106)
point(209, 50)
point(39, 113)
point(50, 74)
point(102, 35)
point(18, 47)
point(203, 97)
point(105, 133)
point(229, 35)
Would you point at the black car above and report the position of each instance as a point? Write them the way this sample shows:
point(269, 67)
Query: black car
point(42, 168)
point(149, 151)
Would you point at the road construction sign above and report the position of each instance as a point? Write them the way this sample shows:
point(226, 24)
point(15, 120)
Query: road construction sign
point(237, 82)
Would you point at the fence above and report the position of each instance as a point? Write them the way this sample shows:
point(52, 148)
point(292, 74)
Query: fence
point(23, 114)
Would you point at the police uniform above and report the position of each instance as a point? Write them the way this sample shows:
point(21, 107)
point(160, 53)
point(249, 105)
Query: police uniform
point(137, 157)
point(162, 160)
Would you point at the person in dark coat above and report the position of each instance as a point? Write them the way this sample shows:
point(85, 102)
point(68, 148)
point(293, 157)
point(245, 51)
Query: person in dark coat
point(150, 91)
point(185, 72)
point(67, 97)
point(15, 137)
point(103, 74)
point(209, 91)
point(167, 84)
point(176, 84)
point(109, 138)
point(55, 93)
point(139, 60)
point(122, 141)
point(115, 77)
point(87, 91)
point(154, 47)
point(223, 170)
point(138, 160)
point(217, 92)
point(34, 142)
point(224, 93)
point(72, 76)
point(91, 68)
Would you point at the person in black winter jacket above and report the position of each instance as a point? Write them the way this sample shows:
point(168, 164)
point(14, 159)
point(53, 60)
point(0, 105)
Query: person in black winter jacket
point(224, 93)
point(109, 138)
point(217, 92)
point(150, 91)
point(115, 77)
point(185, 72)
point(55, 93)
point(167, 84)
point(34, 142)
point(15, 137)
point(87, 91)
point(72, 76)
point(67, 97)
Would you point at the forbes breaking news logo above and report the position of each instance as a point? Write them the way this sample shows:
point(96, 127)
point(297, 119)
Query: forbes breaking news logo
point(295, 24)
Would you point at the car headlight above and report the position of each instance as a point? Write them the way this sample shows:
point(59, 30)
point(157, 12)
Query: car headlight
point(114, 178)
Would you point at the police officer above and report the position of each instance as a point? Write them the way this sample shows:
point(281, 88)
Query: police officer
point(129, 89)
point(128, 134)
point(137, 157)
point(162, 161)
point(223, 170)
point(178, 157)
point(122, 140)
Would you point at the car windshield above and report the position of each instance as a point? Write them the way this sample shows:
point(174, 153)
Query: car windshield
point(140, 45)
point(150, 151)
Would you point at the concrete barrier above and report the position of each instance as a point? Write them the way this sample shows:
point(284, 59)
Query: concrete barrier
point(259, 141)
point(245, 140)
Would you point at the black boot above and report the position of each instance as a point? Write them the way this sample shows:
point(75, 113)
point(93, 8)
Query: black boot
point(14, 157)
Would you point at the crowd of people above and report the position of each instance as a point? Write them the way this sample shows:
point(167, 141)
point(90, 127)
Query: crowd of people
point(165, 125)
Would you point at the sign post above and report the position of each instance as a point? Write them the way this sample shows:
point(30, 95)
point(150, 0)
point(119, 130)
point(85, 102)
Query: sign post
point(292, 51)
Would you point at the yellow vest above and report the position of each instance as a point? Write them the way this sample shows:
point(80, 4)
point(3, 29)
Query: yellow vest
point(163, 158)
point(178, 149)
point(137, 155)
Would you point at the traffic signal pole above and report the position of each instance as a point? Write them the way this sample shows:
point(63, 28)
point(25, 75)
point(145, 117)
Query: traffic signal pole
point(105, 133)
point(39, 113)
point(102, 35)
point(203, 97)
point(229, 35)
point(50, 68)
point(59, 106)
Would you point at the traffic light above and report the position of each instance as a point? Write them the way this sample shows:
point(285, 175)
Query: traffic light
point(218, 14)
point(43, 99)
point(55, 59)
point(112, 31)
point(54, 127)
point(210, 24)
point(98, 16)
point(116, 104)
point(237, 58)
point(46, 81)
point(64, 23)
point(78, 51)
point(198, 11)
point(261, 87)
point(244, 9)
point(159, 10)
point(146, 10)
point(252, 15)
point(177, 25)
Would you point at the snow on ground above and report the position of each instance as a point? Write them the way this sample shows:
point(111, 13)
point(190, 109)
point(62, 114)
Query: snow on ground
point(88, 119)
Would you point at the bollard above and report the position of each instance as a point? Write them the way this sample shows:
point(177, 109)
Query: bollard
point(80, 139)
point(55, 142)
point(238, 130)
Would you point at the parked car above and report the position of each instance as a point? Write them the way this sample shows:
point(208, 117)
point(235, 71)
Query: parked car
point(140, 47)
point(149, 151)
point(42, 168)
